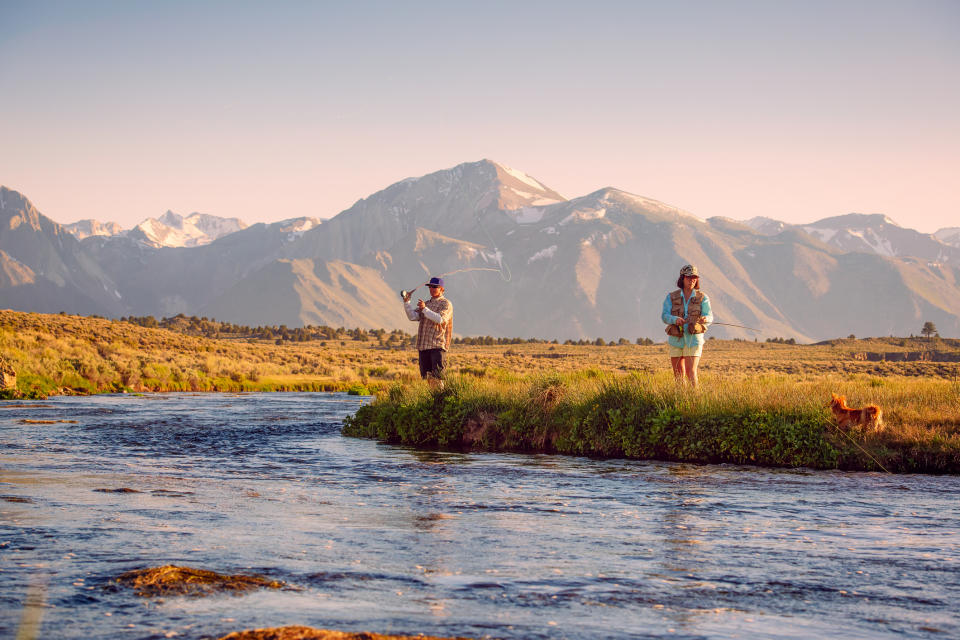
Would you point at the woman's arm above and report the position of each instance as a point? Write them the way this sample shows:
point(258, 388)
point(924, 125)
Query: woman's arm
point(665, 315)
point(706, 313)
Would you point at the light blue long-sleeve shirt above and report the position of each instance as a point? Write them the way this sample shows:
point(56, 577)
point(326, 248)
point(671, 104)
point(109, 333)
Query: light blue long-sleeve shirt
point(688, 339)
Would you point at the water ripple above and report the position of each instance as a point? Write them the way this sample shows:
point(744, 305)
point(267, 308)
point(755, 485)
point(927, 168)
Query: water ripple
point(384, 538)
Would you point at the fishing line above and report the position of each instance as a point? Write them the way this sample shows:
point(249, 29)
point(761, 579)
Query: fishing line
point(728, 324)
point(450, 273)
point(405, 292)
point(857, 445)
point(504, 269)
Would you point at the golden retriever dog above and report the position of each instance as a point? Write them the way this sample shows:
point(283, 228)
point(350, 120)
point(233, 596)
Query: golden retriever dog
point(871, 416)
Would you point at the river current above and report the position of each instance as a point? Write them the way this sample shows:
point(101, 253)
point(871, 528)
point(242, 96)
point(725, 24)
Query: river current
point(392, 540)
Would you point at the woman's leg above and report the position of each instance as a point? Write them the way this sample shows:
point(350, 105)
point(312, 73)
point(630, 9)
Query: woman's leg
point(690, 364)
point(677, 364)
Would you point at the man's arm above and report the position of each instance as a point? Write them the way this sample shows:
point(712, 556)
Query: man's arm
point(411, 309)
point(441, 317)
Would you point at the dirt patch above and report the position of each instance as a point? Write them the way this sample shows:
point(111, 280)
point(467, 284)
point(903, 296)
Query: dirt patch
point(28, 421)
point(309, 633)
point(170, 580)
point(16, 499)
point(120, 490)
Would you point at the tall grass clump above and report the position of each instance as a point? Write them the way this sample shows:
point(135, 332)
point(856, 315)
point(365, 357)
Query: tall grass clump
point(768, 421)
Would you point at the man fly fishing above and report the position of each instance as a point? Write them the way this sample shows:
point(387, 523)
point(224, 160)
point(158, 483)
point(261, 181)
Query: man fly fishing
point(435, 331)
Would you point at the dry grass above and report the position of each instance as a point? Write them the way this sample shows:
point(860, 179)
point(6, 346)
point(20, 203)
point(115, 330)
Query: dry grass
point(309, 633)
point(171, 580)
point(71, 354)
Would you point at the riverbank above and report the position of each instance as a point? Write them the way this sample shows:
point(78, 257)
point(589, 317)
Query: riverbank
point(772, 421)
point(58, 354)
point(74, 355)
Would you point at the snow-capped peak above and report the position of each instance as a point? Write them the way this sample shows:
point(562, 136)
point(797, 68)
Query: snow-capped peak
point(522, 177)
point(85, 228)
point(519, 190)
point(173, 230)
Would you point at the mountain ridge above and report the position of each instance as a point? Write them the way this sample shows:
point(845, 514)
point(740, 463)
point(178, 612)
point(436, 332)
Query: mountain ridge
point(525, 261)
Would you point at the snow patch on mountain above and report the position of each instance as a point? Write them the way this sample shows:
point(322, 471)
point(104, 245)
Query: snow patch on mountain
point(948, 235)
point(296, 227)
point(493, 257)
point(766, 226)
point(522, 177)
point(536, 200)
point(526, 215)
point(823, 235)
point(584, 215)
point(545, 253)
point(881, 246)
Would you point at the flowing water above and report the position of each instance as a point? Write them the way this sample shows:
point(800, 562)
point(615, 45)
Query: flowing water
point(387, 539)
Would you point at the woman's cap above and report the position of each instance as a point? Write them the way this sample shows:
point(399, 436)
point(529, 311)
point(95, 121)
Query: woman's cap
point(435, 282)
point(689, 270)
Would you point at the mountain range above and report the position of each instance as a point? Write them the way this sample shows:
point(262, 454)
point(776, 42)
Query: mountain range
point(169, 230)
point(521, 260)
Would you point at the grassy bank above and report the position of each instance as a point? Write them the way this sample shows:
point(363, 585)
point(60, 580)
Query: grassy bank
point(60, 354)
point(762, 403)
point(768, 420)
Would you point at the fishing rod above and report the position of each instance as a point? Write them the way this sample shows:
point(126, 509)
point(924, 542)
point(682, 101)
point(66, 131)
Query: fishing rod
point(728, 324)
point(404, 293)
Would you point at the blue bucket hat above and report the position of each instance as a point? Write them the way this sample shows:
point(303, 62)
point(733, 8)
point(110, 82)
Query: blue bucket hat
point(434, 282)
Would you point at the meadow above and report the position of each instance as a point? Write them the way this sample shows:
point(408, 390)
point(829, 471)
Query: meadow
point(758, 402)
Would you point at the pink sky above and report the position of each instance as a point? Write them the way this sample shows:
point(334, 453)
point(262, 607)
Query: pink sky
point(798, 111)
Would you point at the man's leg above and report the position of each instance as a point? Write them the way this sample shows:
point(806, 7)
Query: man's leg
point(424, 359)
point(438, 363)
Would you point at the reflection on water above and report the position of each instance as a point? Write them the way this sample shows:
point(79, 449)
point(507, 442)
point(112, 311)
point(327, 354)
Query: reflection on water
point(393, 540)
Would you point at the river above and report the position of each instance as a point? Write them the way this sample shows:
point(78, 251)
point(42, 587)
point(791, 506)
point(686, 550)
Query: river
point(392, 540)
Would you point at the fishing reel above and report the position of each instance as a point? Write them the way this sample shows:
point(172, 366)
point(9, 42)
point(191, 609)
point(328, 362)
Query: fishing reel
point(407, 292)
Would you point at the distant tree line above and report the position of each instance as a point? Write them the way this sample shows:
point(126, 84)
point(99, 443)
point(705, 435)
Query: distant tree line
point(600, 342)
point(211, 328)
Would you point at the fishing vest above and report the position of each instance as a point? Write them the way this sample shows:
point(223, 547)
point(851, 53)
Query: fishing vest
point(694, 324)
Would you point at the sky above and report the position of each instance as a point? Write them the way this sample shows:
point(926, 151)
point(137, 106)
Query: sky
point(264, 111)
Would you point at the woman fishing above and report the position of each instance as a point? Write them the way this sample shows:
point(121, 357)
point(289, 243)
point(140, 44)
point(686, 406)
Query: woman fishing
point(686, 312)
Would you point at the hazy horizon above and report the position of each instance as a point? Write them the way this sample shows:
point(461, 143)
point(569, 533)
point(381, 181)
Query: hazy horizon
point(121, 111)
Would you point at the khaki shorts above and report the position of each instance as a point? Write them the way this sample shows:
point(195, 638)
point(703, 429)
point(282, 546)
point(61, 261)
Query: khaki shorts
point(676, 352)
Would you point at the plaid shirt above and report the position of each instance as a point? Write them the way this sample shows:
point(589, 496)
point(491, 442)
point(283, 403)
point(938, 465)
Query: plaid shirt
point(432, 335)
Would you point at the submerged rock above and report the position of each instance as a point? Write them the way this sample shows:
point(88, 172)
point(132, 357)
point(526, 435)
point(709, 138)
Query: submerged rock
point(170, 580)
point(309, 633)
